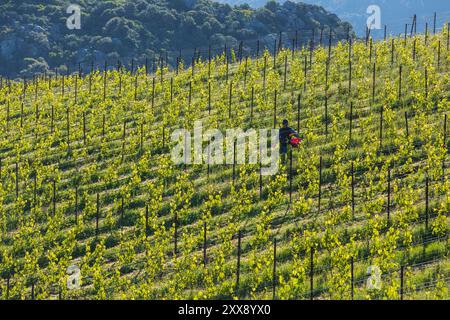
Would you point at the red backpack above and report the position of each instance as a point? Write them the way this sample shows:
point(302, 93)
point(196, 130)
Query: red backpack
point(294, 141)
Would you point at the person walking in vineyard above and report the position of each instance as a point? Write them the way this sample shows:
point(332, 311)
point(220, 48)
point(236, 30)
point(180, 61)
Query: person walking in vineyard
point(287, 136)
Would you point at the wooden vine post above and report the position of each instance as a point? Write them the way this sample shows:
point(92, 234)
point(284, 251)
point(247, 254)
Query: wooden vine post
point(190, 94)
point(406, 125)
point(290, 176)
point(305, 72)
point(17, 180)
point(392, 50)
point(274, 275)
point(298, 112)
point(175, 235)
point(76, 205)
point(234, 162)
point(204, 242)
point(209, 97)
point(252, 102)
point(311, 274)
point(426, 202)
point(326, 96)
point(353, 190)
point(84, 127)
point(381, 128)
point(97, 216)
point(402, 271)
point(142, 138)
point(444, 145)
point(352, 278)
point(275, 109)
point(351, 122)
point(54, 197)
point(52, 128)
point(350, 67)
point(389, 196)
point(122, 210)
point(153, 92)
point(135, 86)
point(264, 74)
point(146, 221)
point(230, 99)
point(238, 267)
point(374, 83)
point(320, 184)
point(260, 177)
point(434, 23)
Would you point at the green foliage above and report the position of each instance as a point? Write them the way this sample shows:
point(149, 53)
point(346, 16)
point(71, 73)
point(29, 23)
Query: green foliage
point(127, 30)
point(165, 231)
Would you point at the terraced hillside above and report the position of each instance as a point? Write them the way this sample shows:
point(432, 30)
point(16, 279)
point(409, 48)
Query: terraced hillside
point(87, 179)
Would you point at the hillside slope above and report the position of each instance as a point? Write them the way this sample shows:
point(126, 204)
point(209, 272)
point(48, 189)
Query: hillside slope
point(87, 181)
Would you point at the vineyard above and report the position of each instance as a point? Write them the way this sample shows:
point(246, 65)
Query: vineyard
point(358, 211)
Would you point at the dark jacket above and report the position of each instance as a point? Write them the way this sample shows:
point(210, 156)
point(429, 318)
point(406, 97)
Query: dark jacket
point(284, 138)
